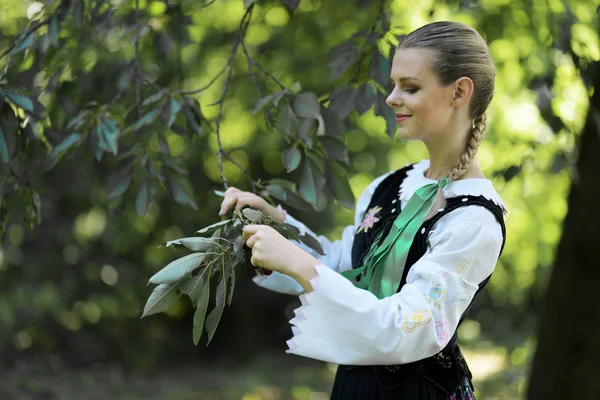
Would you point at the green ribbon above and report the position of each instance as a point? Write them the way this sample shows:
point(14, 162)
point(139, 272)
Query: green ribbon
point(383, 266)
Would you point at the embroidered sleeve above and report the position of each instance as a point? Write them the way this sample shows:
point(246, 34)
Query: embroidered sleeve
point(342, 324)
point(338, 253)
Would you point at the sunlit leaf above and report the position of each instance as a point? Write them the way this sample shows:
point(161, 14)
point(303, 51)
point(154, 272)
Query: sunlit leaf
point(160, 299)
point(147, 118)
point(261, 103)
point(291, 158)
point(60, 150)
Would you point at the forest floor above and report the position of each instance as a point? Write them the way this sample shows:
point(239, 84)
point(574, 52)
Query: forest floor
point(267, 377)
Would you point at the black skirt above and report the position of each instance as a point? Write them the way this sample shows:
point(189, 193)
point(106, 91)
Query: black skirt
point(362, 383)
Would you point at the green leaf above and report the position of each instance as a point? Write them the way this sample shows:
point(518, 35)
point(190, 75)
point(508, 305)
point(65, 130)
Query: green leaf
point(77, 121)
point(143, 198)
point(219, 193)
point(181, 191)
point(342, 101)
point(333, 124)
point(335, 149)
point(380, 68)
point(231, 283)
point(304, 131)
point(194, 243)
point(60, 150)
point(287, 196)
point(192, 285)
point(364, 99)
point(293, 233)
point(341, 58)
point(154, 98)
point(161, 298)
point(337, 182)
point(24, 44)
point(248, 3)
point(291, 158)
point(306, 105)
point(3, 147)
point(147, 118)
point(110, 135)
point(53, 31)
point(287, 121)
point(252, 215)
point(119, 180)
point(387, 112)
point(261, 103)
point(201, 308)
point(312, 182)
point(78, 11)
point(212, 321)
point(21, 101)
point(175, 107)
point(292, 4)
point(214, 227)
point(177, 269)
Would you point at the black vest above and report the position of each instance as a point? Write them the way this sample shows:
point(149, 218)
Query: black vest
point(446, 368)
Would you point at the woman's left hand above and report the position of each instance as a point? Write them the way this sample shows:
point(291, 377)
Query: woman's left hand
point(270, 250)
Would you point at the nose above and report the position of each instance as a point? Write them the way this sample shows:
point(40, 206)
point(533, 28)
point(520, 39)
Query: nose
point(393, 100)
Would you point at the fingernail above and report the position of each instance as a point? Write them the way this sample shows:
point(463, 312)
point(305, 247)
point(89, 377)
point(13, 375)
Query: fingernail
point(221, 213)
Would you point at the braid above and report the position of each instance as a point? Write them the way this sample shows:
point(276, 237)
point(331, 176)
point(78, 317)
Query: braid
point(473, 141)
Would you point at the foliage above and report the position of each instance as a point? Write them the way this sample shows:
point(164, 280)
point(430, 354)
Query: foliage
point(74, 281)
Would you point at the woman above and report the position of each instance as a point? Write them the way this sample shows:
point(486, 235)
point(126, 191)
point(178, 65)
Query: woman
point(386, 300)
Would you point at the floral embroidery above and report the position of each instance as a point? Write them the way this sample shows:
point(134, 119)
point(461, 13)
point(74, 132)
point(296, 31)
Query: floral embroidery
point(436, 295)
point(369, 219)
point(459, 297)
point(441, 331)
point(419, 318)
point(462, 267)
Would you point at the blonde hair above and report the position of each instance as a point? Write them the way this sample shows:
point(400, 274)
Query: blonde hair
point(458, 51)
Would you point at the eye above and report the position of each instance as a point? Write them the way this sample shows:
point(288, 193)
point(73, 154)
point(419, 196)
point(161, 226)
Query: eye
point(411, 90)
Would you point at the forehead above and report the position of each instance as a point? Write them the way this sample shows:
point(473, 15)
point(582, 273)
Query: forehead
point(412, 62)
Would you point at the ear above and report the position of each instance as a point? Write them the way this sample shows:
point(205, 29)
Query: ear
point(463, 89)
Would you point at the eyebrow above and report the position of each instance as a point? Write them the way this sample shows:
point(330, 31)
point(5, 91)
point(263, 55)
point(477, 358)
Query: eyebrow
point(408, 78)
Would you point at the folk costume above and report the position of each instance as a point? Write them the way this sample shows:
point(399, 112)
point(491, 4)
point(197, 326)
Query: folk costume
point(389, 296)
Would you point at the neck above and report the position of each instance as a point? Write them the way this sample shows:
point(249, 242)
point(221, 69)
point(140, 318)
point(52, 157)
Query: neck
point(445, 151)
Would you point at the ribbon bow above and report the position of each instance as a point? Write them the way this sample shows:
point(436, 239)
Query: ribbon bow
point(382, 271)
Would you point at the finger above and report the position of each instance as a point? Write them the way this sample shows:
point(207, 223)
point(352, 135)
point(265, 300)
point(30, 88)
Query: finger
point(249, 230)
point(245, 200)
point(228, 202)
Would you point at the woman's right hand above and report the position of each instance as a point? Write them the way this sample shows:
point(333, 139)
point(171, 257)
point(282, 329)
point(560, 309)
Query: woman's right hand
point(238, 199)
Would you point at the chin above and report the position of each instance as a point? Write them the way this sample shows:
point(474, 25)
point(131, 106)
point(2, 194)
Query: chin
point(405, 134)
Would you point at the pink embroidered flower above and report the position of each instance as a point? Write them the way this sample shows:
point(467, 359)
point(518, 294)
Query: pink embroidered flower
point(369, 219)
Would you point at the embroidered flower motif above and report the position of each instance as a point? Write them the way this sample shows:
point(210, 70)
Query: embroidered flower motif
point(369, 219)
point(417, 319)
point(436, 295)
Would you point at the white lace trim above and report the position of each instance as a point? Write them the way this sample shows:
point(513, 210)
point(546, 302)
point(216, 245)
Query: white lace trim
point(471, 186)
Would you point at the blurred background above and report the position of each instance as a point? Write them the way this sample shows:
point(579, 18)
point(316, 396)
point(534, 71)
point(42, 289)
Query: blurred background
point(77, 254)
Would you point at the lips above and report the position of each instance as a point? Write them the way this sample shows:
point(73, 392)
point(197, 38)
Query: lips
point(402, 117)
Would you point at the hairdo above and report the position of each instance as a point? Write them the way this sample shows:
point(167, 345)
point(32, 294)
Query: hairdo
point(458, 51)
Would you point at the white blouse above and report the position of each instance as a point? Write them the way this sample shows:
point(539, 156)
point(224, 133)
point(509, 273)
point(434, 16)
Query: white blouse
point(342, 324)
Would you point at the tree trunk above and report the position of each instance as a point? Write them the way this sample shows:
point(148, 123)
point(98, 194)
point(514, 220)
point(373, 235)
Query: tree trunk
point(567, 360)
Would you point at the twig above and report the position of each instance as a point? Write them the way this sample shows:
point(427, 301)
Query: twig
point(227, 156)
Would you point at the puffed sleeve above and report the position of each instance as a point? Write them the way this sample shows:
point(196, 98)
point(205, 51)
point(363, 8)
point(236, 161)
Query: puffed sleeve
point(342, 324)
point(338, 254)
